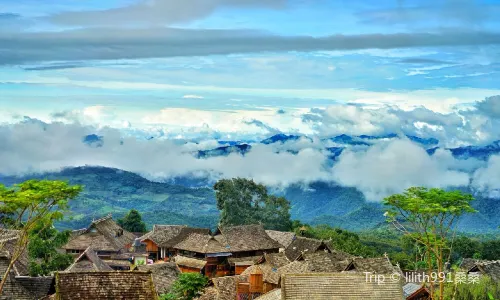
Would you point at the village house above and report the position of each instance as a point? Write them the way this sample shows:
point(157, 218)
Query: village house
point(88, 261)
point(415, 291)
point(164, 275)
point(230, 251)
point(105, 236)
point(160, 241)
point(19, 285)
point(487, 268)
point(301, 245)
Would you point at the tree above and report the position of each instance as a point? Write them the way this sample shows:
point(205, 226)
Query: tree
point(430, 215)
point(242, 201)
point(132, 222)
point(186, 287)
point(30, 205)
point(43, 254)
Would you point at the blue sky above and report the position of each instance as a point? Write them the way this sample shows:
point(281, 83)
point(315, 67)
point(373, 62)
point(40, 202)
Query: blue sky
point(137, 58)
point(161, 79)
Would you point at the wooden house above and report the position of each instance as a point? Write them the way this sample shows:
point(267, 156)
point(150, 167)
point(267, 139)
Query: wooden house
point(161, 240)
point(18, 284)
point(487, 268)
point(105, 236)
point(301, 245)
point(415, 291)
point(88, 261)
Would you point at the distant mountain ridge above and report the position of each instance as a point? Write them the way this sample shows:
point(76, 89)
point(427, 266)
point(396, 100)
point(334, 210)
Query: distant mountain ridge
point(117, 191)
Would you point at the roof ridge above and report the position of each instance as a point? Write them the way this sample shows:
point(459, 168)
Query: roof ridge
point(107, 217)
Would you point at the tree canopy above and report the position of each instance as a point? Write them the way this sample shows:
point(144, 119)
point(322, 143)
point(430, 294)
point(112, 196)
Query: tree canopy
point(132, 222)
point(30, 206)
point(186, 287)
point(428, 216)
point(242, 201)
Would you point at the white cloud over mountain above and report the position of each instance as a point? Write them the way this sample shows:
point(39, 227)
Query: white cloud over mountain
point(166, 144)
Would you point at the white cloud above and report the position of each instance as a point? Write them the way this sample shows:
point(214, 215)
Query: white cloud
point(192, 97)
point(487, 179)
point(385, 169)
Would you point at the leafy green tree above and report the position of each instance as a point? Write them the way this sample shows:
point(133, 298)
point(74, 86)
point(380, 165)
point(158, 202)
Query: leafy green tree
point(31, 205)
point(491, 250)
point(430, 215)
point(242, 201)
point(186, 287)
point(464, 247)
point(42, 250)
point(132, 222)
point(485, 289)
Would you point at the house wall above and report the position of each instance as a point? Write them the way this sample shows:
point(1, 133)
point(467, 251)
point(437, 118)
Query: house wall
point(185, 269)
point(150, 246)
point(240, 269)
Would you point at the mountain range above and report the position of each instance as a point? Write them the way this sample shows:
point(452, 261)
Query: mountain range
point(189, 200)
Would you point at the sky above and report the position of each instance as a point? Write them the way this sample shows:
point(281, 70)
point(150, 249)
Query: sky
point(201, 70)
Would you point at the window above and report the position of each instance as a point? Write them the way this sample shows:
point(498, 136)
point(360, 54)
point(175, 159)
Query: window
point(73, 251)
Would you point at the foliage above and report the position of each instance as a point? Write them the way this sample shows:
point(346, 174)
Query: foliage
point(485, 289)
point(132, 222)
point(32, 205)
point(242, 201)
point(430, 215)
point(42, 250)
point(339, 239)
point(186, 287)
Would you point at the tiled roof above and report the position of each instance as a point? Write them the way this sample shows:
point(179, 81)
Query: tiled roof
point(468, 263)
point(182, 235)
point(378, 265)
point(489, 268)
point(108, 236)
point(88, 261)
point(302, 245)
point(105, 286)
point(226, 286)
point(272, 295)
point(327, 262)
point(200, 243)
point(164, 275)
point(162, 233)
point(276, 259)
point(410, 288)
point(247, 260)
point(9, 238)
point(284, 238)
point(272, 274)
point(38, 287)
point(189, 262)
point(246, 238)
point(337, 286)
point(209, 293)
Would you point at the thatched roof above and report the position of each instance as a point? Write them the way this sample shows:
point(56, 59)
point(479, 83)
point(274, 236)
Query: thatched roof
point(489, 268)
point(105, 286)
point(284, 238)
point(189, 262)
point(246, 238)
point(327, 262)
point(302, 245)
point(164, 275)
point(103, 235)
point(378, 265)
point(272, 295)
point(226, 286)
point(200, 243)
point(88, 261)
point(337, 286)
